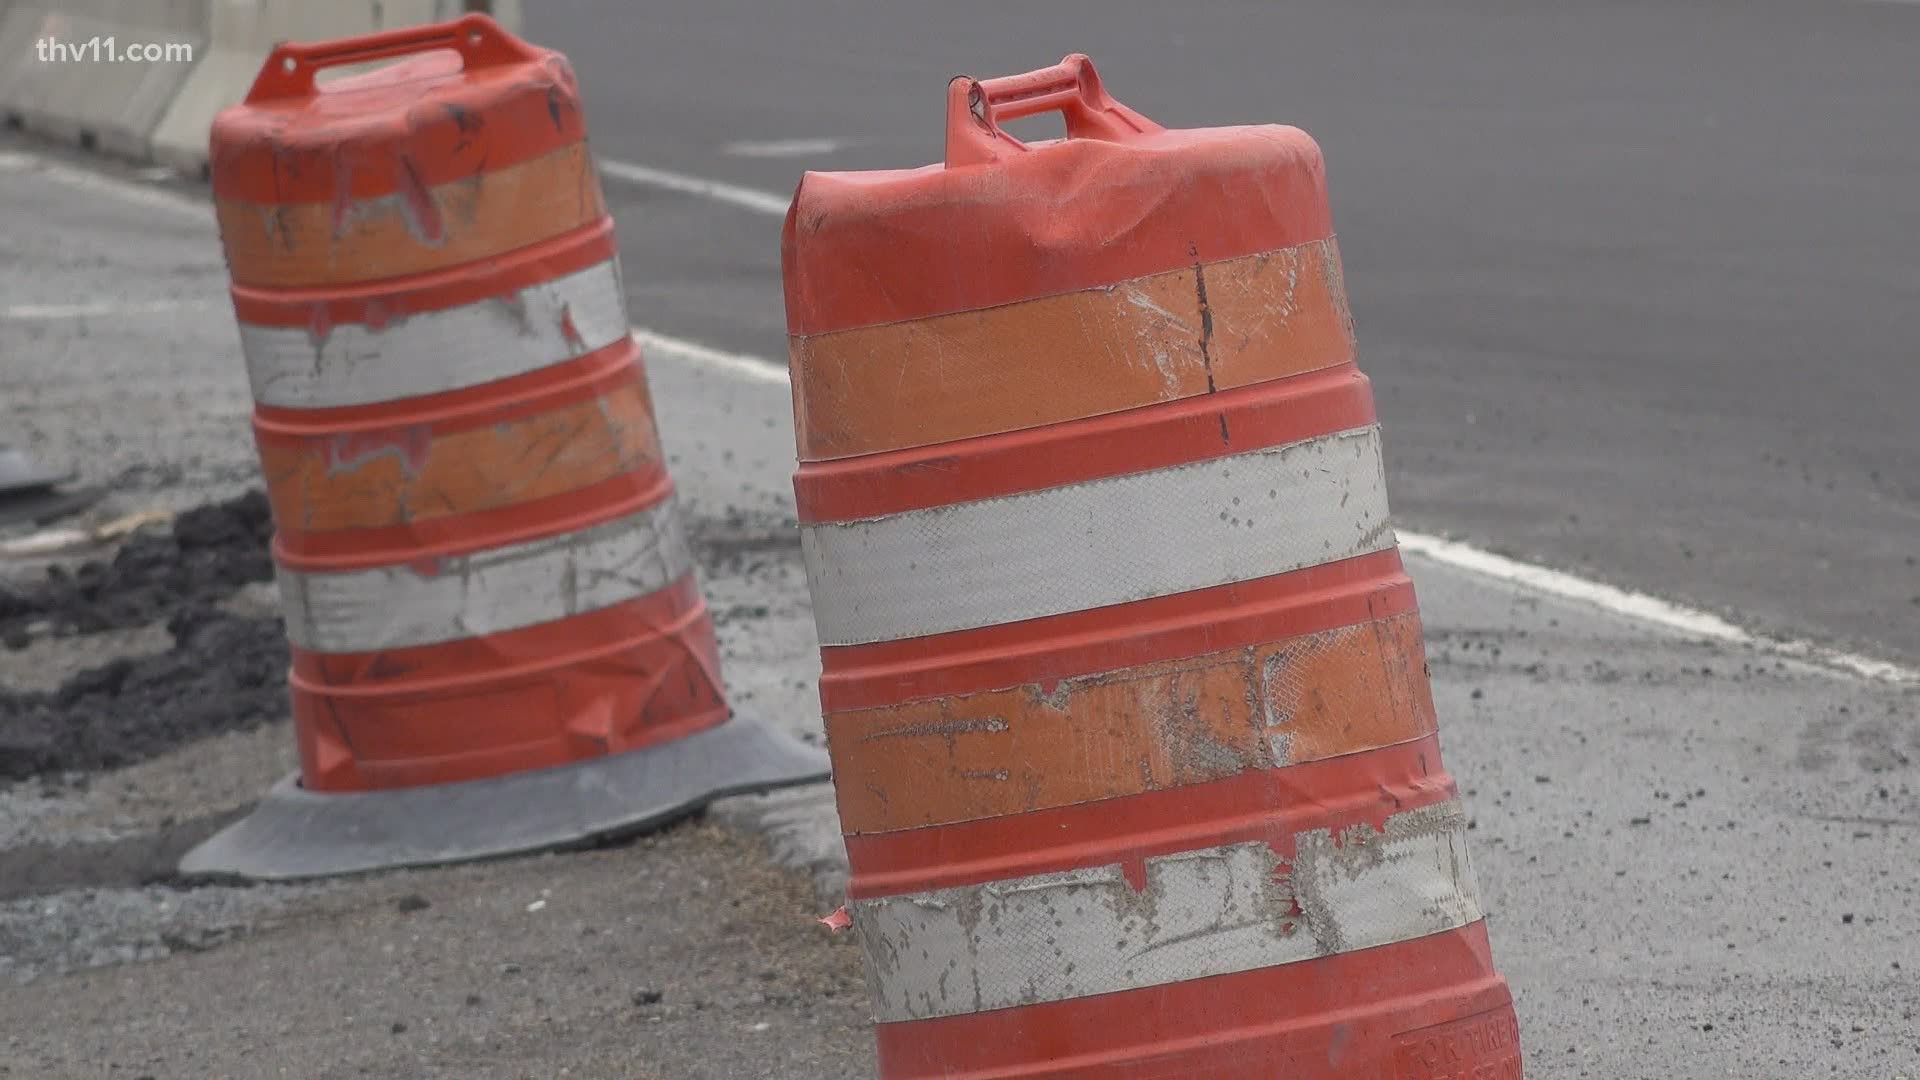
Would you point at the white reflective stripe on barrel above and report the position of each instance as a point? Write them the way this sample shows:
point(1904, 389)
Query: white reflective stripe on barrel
point(1208, 912)
point(487, 592)
point(437, 351)
point(1101, 542)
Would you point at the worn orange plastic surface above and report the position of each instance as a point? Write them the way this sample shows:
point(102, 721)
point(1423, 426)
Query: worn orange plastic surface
point(1197, 330)
point(468, 98)
point(1419, 1009)
point(377, 219)
point(471, 146)
point(1182, 721)
point(617, 679)
point(1013, 287)
point(1106, 205)
point(320, 309)
point(1343, 593)
point(1027, 323)
point(1133, 440)
point(449, 225)
point(515, 449)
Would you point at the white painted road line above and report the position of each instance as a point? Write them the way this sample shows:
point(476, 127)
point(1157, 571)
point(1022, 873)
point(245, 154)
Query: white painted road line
point(98, 309)
point(736, 364)
point(766, 202)
point(1691, 622)
point(785, 148)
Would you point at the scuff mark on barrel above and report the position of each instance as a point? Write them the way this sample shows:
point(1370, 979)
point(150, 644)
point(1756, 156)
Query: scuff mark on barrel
point(410, 446)
point(276, 222)
point(342, 192)
point(1188, 735)
point(945, 729)
point(319, 329)
point(1323, 860)
point(1206, 332)
point(1336, 285)
point(576, 344)
point(465, 120)
point(513, 306)
point(418, 208)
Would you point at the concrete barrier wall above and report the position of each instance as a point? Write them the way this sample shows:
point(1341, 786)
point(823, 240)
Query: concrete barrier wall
point(162, 109)
point(114, 105)
point(243, 32)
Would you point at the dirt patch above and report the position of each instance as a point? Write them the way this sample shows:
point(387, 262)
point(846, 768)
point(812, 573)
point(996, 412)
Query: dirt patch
point(224, 673)
point(209, 552)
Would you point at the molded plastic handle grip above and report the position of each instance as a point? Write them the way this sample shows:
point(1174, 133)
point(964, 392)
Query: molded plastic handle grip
point(975, 108)
point(479, 40)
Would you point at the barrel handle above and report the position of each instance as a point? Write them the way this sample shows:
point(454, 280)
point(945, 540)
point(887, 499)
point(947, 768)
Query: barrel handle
point(480, 41)
point(975, 108)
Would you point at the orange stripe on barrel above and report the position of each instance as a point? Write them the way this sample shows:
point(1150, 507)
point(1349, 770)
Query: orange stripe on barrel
point(1138, 729)
point(1272, 608)
point(1158, 338)
point(415, 231)
point(1225, 424)
point(393, 476)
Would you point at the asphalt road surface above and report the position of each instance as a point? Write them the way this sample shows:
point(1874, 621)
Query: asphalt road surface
point(1634, 280)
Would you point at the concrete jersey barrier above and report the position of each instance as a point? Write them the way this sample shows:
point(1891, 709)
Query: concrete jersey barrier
point(95, 94)
point(196, 57)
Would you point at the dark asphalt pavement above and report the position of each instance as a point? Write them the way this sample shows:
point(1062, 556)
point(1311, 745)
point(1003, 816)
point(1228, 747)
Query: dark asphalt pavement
point(1633, 279)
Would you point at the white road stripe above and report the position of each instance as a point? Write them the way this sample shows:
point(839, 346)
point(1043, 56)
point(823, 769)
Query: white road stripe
point(736, 364)
point(97, 309)
point(490, 592)
point(765, 202)
point(1691, 622)
point(1100, 542)
point(1051, 937)
point(437, 351)
point(785, 148)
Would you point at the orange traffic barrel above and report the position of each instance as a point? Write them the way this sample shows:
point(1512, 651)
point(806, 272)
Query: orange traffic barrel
point(1124, 686)
point(498, 640)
